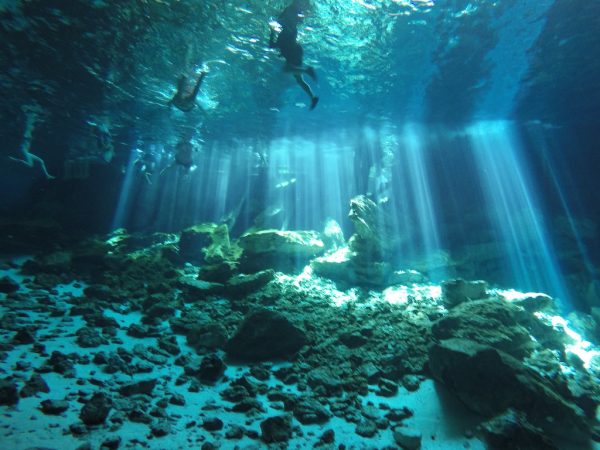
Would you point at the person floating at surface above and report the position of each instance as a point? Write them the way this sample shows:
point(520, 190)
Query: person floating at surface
point(291, 50)
point(185, 97)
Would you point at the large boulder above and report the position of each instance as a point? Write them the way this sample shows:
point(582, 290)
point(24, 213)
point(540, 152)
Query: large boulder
point(277, 249)
point(265, 335)
point(489, 382)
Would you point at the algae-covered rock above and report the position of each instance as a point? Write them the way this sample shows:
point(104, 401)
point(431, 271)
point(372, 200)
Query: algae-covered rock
point(458, 291)
point(208, 243)
point(193, 239)
point(277, 249)
point(241, 285)
point(297, 243)
point(489, 382)
point(489, 322)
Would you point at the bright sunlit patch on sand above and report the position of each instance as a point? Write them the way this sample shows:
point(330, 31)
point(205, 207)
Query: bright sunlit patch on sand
point(399, 295)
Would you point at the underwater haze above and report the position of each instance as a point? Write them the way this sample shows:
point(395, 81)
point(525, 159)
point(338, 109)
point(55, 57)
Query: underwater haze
point(342, 224)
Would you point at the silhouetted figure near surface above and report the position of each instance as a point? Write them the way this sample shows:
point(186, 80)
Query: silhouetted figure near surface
point(287, 43)
point(185, 97)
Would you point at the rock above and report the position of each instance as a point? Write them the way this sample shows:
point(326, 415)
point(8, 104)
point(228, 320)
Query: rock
point(88, 337)
point(325, 379)
point(8, 285)
point(411, 382)
point(328, 437)
point(212, 424)
point(8, 393)
point(349, 267)
point(336, 266)
point(111, 443)
point(512, 430)
point(489, 382)
point(138, 331)
point(99, 291)
point(169, 344)
point(95, 411)
point(373, 238)
point(219, 272)
point(585, 325)
point(211, 369)
point(212, 337)
point(160, 429)
point(387, 388)
point(309, 411)
point(276, 429)
point(490, 322)
point(197, 290)
point(177, 399)
point(55, 262)
point(61, 363)
point(54, 407)
point(207, 242)
point(234, 432)
point(408, 438)
point(459, 291)
point(34, 385)
point(304, 244)
point(24, 336)
point(242, 285)
point(280, 250)
point(139, 387)
point(353, 339)
point(265, 335)
point(366, 428)
point(531, 302)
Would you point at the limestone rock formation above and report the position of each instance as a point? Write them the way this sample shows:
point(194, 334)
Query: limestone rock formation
point(279, 250)
point(489, 382)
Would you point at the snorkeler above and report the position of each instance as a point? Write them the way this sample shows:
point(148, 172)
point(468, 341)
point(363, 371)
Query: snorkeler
point(185, 98)
point(291, 50)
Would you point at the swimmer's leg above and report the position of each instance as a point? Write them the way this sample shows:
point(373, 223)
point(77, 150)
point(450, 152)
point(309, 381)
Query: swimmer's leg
point(198, 84)
point(306, 88)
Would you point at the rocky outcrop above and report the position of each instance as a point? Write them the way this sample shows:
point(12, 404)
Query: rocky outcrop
point(489, 382)
point(280, 250)
point(488, 322)
point(459, 291)
point(206, 243)
point(366, 260)
point(265, 335)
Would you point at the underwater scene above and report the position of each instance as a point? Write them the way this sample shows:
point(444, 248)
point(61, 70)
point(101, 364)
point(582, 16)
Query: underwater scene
point(294, 224)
